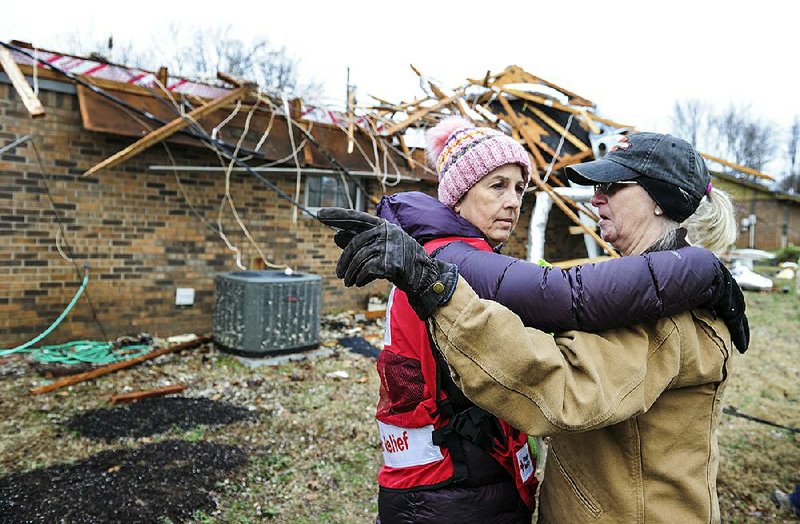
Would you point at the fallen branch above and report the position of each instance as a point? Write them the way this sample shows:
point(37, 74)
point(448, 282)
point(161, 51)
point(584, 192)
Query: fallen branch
point(147, 393)
point(81, 377)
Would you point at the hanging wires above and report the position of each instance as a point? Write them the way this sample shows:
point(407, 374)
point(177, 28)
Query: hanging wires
point(196, 131)
point(287, 112)
point(62, 235)
point(558, 149)
point(230, 199)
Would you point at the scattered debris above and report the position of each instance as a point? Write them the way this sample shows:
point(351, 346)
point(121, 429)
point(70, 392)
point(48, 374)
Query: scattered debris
point(314, 354)
point(337, 375)
point(749, 280)
point(148, 393)
point(74, 379)
point(360, 346)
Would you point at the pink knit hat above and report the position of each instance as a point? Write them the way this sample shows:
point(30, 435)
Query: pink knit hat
point(463, 154)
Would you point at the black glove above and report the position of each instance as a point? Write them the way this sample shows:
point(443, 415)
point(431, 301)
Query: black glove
point(728, 304)
point(374, 248)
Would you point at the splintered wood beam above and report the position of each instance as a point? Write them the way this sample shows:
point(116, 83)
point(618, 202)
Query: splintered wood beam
point(557, 200)
point(613, 123)
point(26, 94)
point(515, 74)
point(537, 131)
point(419, 115)
point(530, 138)
point(737, 167)
point(485, 113)
point(406, 151)
point(572, 159)
point(538, 99)
point(235, 81)
point(81, 377)
point(167, 130)
point(148, 393)
point(587, 119)
point(558, 128)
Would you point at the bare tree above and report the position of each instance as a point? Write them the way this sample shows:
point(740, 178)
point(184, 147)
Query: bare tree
point(690, 120)
point(791, 182)
point(748, 141)
point(107, 49)
point(213, 49)
point(200, 53)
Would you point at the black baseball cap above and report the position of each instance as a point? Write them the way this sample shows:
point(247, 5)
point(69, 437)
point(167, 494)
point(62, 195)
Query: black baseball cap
point(667, 167)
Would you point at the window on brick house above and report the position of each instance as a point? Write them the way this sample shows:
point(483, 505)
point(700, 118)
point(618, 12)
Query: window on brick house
point(331, 191)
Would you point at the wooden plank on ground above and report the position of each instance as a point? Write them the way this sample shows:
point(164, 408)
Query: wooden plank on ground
point(148, 393)
point(24, 90)
point(81, 377)
point(165, 131)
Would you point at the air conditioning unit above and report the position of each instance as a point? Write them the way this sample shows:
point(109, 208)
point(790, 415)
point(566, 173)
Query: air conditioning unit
point(259, 313)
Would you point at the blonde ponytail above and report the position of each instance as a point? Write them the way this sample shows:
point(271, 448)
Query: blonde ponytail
point(713, 224)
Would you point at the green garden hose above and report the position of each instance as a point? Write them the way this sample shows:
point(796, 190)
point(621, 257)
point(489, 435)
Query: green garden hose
point(82, 351)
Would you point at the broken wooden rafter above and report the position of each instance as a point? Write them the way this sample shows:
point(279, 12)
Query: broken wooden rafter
point(572, 159)
point(589, 121)
point(236, 81)
point(737, 167)
point(26, 94)
point(148, 393)
point(516, 75)
point(558, 128)
point(557, 200)
point(406, 151)
point(528, 135)
point(81, 377)
point(538, 99)
point(417, 116)
point(169, 129)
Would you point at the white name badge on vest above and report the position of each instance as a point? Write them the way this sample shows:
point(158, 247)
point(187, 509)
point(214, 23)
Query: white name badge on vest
point(405, 447)
point(524, 463)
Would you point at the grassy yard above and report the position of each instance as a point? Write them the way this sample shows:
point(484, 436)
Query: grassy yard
point(756, 458)
point(313, 448)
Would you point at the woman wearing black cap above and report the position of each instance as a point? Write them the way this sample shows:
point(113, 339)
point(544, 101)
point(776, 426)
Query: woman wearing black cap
point(651, 191)
point(633, 412)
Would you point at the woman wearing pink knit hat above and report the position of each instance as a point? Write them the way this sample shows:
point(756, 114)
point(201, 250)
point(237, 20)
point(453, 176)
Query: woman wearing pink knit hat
point(445, 459)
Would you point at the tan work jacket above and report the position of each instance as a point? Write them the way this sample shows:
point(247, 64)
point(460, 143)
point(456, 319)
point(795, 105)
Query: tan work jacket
point(633, 412)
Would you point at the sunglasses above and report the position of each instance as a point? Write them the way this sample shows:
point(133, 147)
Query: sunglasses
point(608, 188)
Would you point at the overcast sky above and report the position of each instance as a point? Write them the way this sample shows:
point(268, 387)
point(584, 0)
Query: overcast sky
point(633, 59)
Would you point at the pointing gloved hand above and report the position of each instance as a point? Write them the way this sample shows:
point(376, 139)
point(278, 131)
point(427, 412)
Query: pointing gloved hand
point(374, 248)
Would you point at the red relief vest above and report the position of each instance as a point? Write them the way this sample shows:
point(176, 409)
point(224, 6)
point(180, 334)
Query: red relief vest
point(408, 413)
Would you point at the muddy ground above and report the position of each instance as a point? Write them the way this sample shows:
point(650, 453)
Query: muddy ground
point(297, 442)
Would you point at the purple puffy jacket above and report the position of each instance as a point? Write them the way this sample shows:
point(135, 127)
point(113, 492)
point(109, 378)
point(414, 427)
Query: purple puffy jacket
point(592, 297)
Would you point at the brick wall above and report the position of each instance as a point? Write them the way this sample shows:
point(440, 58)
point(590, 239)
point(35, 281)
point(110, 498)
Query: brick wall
point(775, 218)
point(135, 229)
